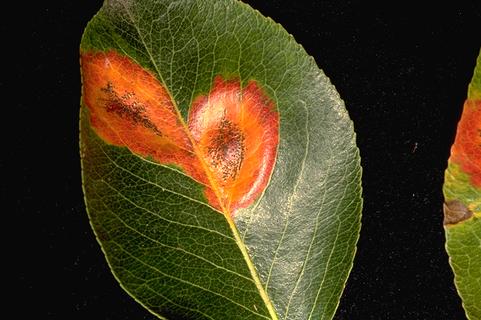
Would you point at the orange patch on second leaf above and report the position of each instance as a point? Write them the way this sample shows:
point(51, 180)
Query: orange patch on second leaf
point(466, 150)
point(229, 144)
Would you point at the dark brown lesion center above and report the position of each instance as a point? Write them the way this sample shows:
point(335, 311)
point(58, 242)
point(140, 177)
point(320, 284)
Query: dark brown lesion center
point(455, 211)
point(226, 149)
point(127, 107)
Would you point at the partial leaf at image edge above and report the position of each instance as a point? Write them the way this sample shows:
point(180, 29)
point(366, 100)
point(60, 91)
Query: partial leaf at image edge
point(462, 208)
point(172, 240)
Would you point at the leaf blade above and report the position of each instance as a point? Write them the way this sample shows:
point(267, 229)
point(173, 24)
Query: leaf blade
point(242, 44)
point(106, 222)
point(462, 209)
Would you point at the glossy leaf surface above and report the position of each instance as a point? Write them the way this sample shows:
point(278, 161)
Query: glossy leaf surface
point(220, 169)
point(462, 208)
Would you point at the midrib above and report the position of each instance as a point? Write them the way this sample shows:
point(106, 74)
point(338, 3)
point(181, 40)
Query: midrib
point(227, 213)
point(213, 183)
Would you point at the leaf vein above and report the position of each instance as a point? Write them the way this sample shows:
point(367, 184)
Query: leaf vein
point(326, 269)
point(156, 184)
point(174, 221)
point(168, 246)
point(290, 201)
point(163, 274)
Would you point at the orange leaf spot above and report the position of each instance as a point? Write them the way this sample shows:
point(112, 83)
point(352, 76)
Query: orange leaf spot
point(236, 130)
point(466, 150)
point(229, 143)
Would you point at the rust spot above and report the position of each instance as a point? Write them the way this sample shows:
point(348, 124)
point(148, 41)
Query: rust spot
point(127, 107)
point(236, 129)
point(455, 211)
point(228, 143)
point(226, 149)
point(466, 149)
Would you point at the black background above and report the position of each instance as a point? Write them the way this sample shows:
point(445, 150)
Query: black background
point(403, 72)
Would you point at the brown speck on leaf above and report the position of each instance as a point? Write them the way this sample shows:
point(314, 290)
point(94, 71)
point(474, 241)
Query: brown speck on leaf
point(227, 149)
point(125, 108)
point(455, 211)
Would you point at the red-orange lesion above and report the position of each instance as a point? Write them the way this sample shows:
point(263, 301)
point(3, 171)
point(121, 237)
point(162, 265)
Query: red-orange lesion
point(229, 143)
point(129, 108)
point(466, 150)
point(237, 131)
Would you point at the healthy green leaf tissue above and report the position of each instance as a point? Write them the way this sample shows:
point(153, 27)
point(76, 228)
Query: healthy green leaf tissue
point(220, 169)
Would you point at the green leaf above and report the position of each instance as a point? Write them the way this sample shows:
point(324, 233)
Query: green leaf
point(462, 208)
point(254, 219)
point(474, 89)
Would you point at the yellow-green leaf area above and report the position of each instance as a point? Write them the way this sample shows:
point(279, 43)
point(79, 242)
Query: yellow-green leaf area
point(457, 187)
point(462, 201)
point(464, 249)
